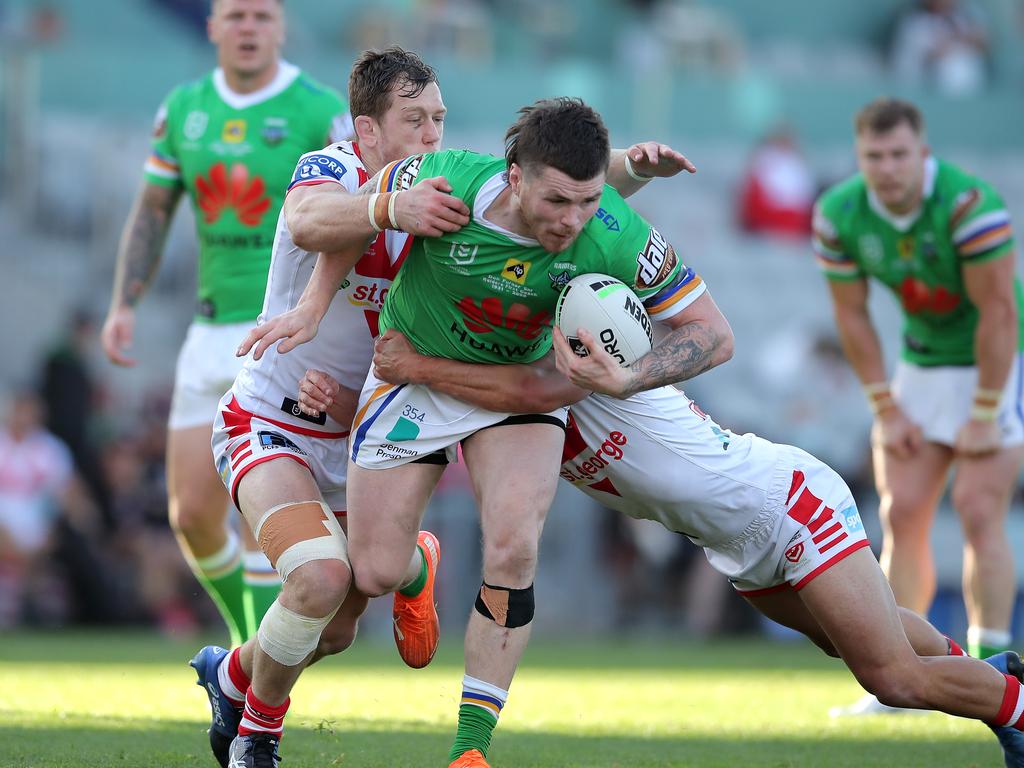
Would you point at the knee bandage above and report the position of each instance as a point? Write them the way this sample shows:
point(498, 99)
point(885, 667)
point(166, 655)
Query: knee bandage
point(299, 532)
point(505, 606)
point(287, 637)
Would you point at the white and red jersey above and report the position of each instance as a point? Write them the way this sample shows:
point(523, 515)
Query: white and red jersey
point(768, 515)
point(34, 470)
point(658, 456)
point(343, 346)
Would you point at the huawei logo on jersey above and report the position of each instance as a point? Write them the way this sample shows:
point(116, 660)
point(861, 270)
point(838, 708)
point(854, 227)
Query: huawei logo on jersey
point(232, 189)
point(917, 297)
point(491, 313)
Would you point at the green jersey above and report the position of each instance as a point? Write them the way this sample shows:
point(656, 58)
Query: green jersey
point(962, 220)
point(484, 294)
point(234, 155)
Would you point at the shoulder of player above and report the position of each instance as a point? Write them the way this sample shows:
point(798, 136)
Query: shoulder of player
point(956, 186)
point(190, 92)
point(610, 221)
point(840, 201)
point(306, 87)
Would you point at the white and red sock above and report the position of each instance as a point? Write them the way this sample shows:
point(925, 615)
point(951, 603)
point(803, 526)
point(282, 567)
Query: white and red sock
point(233, 681)
point(1011, 712)
point(260, 717)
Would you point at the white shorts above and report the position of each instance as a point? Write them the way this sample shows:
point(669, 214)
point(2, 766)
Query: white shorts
point(206, 369)
point(817, 526)
point(938, 399)
point(241, 440)
point(403, 423)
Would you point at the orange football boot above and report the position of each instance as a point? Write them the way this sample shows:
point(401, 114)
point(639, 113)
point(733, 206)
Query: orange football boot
point(471, 759)
point(417, 629)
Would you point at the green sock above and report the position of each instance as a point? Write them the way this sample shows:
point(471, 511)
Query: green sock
point(262, 586)
point(475, 728)
point(416, 586)
point(221, 577)
point(982, 643)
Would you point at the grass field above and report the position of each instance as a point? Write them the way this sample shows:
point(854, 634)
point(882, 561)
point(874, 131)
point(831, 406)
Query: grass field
point(82, 700)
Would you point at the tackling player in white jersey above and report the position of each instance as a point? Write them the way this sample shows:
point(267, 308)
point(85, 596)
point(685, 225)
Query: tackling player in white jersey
point(779, 523)
point(296, 506)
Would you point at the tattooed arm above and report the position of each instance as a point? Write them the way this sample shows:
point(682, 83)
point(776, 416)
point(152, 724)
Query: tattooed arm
point(700, 338)
point(138, 256)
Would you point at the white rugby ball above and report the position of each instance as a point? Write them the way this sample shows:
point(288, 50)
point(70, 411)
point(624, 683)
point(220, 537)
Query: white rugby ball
point(610, 311)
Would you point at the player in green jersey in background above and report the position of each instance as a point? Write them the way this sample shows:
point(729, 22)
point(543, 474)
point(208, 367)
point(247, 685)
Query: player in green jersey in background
point(940, 240)
point(229, 141)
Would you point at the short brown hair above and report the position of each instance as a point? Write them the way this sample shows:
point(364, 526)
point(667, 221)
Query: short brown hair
point(884, 114)
point(377, 73)
point(562, 133)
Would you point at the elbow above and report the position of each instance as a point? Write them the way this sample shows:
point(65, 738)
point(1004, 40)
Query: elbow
point(302, 229)
point(302, 236)
point(725, 348)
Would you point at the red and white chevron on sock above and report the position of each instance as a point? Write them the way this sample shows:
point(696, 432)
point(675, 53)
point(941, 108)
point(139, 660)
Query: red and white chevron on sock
point(1011, 713)
point(259, 717)
point(233, 680)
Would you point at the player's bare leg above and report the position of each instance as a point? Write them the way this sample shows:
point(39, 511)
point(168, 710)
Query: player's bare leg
point(197, 506)
point(385, 507)
point(854, 606)
point(909, 491)
point(513, 506)
point(787, 608)
point(981, 496)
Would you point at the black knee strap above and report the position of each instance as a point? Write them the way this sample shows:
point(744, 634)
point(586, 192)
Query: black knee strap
point(504, 606)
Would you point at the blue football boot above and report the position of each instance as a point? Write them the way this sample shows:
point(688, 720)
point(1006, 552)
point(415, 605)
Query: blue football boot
point(1010, 739)
point(224, 716)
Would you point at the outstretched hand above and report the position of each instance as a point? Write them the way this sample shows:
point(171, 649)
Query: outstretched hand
point(649, 158)
point(291, 328)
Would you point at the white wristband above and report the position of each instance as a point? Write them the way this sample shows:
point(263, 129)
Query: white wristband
point(370, 209)
point(632, 173)
point(391, 210)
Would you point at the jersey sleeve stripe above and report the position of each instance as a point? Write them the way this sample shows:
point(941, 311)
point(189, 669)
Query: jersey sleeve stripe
point(392, 174)
point(313, 183)
point(676, 297)
point(162, 166)
point(979, 225)
point(986, 239)
point(843, 268)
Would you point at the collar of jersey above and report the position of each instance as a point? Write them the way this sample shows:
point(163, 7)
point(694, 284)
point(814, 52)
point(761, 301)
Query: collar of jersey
point(286, 74)
point(906, 221)
point(486, 195)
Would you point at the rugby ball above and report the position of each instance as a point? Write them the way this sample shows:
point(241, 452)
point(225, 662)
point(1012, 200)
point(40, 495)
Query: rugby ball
point(610, 311)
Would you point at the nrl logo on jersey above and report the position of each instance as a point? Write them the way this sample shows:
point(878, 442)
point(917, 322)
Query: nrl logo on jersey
point(195, 124)
point(871, 248)
point(463, 254)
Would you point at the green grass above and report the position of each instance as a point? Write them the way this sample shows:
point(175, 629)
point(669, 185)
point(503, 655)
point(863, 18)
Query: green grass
point(83, 700)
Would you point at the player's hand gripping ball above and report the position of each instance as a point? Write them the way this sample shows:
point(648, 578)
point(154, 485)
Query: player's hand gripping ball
point(610, 311)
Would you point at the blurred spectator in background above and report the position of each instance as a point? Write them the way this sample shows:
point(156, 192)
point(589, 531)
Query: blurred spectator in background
point(35, 474)
point(71, 397)
point(778, 189)
point(943, 44)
